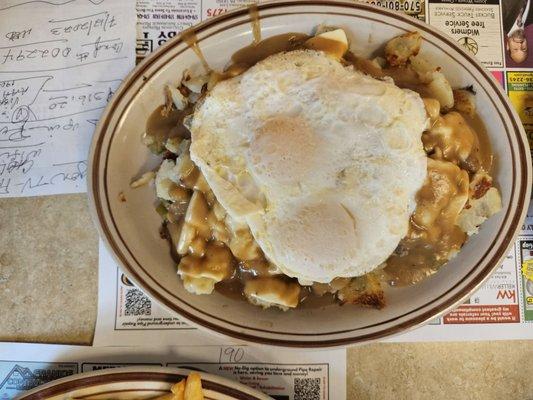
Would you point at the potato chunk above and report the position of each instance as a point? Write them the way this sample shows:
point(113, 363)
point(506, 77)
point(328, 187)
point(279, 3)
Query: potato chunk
point(440, 200)
point(479, 210)
point(436, 84)
point(272, 292)
point(451, 137)
point(399, 49)
point(464, 102)
point(364, 290)
point(200, 274)
point(334, 43)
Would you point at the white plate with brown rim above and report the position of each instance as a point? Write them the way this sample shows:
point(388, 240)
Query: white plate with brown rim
point(129, 225)
point(137, 383)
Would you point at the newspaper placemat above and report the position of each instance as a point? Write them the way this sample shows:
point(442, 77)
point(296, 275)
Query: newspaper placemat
point(60, 63)
point(284, 375)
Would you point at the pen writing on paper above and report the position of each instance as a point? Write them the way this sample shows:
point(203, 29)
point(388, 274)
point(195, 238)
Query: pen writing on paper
point(230, 354)
point(54, 3)
point(57, 72)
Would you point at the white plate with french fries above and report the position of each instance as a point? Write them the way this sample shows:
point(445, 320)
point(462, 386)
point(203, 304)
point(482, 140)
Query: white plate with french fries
point(140, 383)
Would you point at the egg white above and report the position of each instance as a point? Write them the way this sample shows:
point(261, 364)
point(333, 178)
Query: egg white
point(322, 162)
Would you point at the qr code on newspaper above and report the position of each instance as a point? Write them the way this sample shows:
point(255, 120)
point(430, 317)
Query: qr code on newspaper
point(306, 388)
point(137, 303)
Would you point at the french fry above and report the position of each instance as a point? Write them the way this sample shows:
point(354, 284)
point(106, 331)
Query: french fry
point(193, 387)
point(178, 390)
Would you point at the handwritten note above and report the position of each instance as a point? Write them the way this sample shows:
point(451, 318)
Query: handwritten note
point(60, 63)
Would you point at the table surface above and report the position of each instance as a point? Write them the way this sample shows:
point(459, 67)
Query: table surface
point(48, 292)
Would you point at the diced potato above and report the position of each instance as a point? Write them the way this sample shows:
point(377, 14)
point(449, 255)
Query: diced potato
point(443, 196)
point(187, 121)
point(218, 228)
point(184, 146)
point(163, 187)
point(178, 193)
point(193, 387)
point(234, 225)
point(272, 292)
point(218, 262)
point(196, 83)
point(172, 144)
point(379, 62)
point(191, 270)
point(452, 135)
point(423, 68)
point(481, 183)
point(196, 214)
point(187, 234)
point(465, 101)
point(479, 210)
point(333, 287)
point(197, 247)
point(399, 49)
point(259, 267)
point(440, 89)
point(243, 246)
point(164, 179)
point(174, 230)
point(437, 86)
point(432, 109)
point(190, 265)
point(364, 290)
point(185, 170)
point(198, 285)
point(333, 43)
point(174, 95)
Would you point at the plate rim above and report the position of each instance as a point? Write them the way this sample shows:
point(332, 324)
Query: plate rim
point(139, 374)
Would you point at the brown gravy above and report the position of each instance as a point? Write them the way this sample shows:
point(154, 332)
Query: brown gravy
point(484, 149)
point(189, 37)
point(429, 241)
point(255, 52)
point(256, 24)
point(162, 125)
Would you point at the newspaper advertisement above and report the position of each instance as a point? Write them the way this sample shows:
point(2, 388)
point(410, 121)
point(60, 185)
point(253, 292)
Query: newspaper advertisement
point(520, 90)
point(414, 8)
point(286, 375)
point(160, 20)
point(474, 25)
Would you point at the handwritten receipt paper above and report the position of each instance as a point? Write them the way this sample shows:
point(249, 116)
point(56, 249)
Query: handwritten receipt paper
point(59, 65)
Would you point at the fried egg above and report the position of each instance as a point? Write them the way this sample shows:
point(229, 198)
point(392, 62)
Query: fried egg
point(320, 161)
